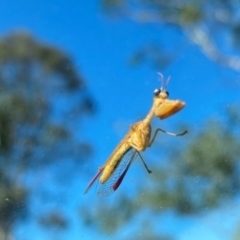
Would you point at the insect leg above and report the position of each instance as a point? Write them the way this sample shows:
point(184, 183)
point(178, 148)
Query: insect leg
point(145, 165)
point(169, 133)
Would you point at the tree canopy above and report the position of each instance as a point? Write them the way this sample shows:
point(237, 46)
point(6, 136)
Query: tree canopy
point(42, 96)
point(202, 22)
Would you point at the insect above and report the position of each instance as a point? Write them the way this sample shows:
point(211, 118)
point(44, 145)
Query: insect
point(111, 174)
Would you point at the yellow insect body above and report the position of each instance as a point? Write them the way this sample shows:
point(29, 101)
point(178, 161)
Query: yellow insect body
point(114, 160)
point(138, 138)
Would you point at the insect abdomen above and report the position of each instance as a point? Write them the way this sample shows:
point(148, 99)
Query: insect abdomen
point(113, 162)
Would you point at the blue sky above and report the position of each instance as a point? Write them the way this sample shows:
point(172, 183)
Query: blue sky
point(100, 48)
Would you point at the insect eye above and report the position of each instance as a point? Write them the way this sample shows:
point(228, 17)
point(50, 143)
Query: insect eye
point(156, 92)
point(167, 93)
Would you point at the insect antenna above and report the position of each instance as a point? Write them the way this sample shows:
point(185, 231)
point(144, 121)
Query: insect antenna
point(162, 80)
point(164, 86)
point(168, 80)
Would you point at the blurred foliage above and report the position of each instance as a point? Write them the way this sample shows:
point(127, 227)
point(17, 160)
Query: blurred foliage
point(153, 54)
point(237, 233)
point(149, 233)
point(13, 199)
point(42, 96)
point(203, 22)
point(196, 177)
point(53, 219)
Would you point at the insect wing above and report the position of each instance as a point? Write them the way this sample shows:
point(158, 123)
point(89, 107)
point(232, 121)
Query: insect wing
point(108, 187)
point(93, 180)
point(119, 180)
